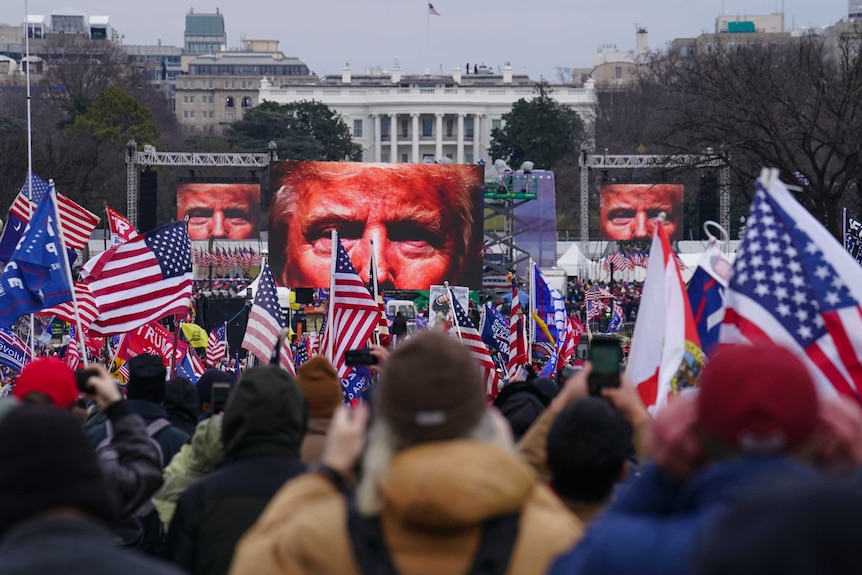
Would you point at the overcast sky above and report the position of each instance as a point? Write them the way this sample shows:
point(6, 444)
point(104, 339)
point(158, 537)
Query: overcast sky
point(535, 36)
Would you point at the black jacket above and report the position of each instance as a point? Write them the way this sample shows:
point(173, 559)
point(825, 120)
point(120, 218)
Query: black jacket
point(170, 439)
point(262, 430)
point(136, 473)
point(521, 403)
point(51, 544)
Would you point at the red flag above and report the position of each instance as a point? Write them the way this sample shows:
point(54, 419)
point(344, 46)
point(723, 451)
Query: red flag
point(147, 278)
point(355, 313)
point(121, 229)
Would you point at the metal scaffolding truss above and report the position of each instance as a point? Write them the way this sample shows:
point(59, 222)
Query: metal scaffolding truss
point(610, 161)
point(151, 157)
point(512, 226)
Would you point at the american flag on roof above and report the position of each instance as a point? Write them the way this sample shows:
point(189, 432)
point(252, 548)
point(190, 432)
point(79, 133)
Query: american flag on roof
point(78, 223)
point(265, 322)
point(355, 313)
point(794, 284)
point(145, 279)
point(471, 338)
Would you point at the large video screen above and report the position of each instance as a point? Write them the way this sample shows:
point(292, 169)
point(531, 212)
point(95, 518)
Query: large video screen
point(219, 210)
point(628, 211)
point(424, 220)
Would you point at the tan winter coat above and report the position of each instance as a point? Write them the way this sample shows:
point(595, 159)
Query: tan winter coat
point(436, 497)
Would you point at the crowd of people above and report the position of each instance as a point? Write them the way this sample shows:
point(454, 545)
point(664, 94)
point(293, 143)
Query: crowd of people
point(754, 472)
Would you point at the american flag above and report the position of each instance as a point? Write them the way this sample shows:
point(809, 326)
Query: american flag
point(597, 292)
point(793, 284)
point(620, 261)
point(265, 322)
point(145, 279)
point(517, 338)
point(73, 354)
point(78, 223)
point(471, 338)
point(301, 352)
point(121, 229)
point(355, 313)
point(574, 330)
point(595, 308)
point(432, 11)
point(217, 345)
point(86, 307)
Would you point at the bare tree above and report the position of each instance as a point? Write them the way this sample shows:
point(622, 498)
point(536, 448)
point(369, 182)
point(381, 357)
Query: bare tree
point(793, 106)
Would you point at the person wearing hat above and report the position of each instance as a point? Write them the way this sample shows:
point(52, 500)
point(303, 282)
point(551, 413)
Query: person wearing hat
point(262, 429)
point(56, 511)
point(440, 490)
point(756, 420)
point(135, 473)
point(145, 394)
point(322, 390)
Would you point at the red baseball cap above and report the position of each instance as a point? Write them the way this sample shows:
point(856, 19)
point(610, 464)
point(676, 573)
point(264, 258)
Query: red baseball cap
point(51, 376)
point(759, 398)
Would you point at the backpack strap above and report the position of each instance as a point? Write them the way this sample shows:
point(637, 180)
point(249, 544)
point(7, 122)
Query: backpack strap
point(157, 426)
point(109, 436)
point(499, 536)
point(366, 538)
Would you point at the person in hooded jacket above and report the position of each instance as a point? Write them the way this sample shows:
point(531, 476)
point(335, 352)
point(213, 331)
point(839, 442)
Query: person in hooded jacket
point(205, 453)
point(205, 389)
point(182, 404)
point(323, 392)
point(439, 475)
point(262, 430)
point(522, 402)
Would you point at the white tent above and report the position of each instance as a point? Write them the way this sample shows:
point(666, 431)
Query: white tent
point(576, 264)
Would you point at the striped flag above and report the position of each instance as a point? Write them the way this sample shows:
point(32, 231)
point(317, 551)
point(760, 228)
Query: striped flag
point(217, 345)
point(517, 338)
point(78, 223)
point(86, 308)
point(471, 338)
point(432, 11)
point(145, 279)
point(265, 322)
point(73, 354)
point(355, 313)
point(794, 284)
point(301, 352)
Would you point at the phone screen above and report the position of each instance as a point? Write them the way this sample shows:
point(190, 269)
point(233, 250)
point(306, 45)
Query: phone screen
point(605, 359)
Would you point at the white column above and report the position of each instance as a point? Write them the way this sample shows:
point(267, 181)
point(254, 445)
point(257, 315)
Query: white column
point(393, 138)
point(378, 141)
point(477, 125)
point(438, 132)
point(460, 157)
point(415, 129)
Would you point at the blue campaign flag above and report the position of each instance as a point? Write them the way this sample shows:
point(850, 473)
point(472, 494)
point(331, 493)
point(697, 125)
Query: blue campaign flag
point(494, 330)
point(550, 307)
point(37, 275)
point(14, 353)
point(616, 322)
point(706, 295)
point(185, 368)
point(358, 378)
point(11, 236)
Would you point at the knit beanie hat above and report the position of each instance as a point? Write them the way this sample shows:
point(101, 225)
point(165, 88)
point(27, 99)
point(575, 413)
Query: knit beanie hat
point(48, 463)
point(431, 389)
point(758, 398)
point(49, 376)
point(147, 375)
point(320, 385)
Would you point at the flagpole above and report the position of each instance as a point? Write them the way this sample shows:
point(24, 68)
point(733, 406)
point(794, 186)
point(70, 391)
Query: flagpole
point(226, 346)
point(532, 288)
point(844, 228)
point(373, 275)
point(452, 309)
point(331, 328)
point(427, 39)
point(30, 156)
point(65, 263)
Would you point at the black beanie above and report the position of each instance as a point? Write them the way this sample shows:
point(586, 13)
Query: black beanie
point(48, 463)
point(147, 375)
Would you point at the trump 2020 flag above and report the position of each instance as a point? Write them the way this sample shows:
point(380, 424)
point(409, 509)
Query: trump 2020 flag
point(706, 295)
point(36, 276)
point(666, 356)
point(795, 285)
